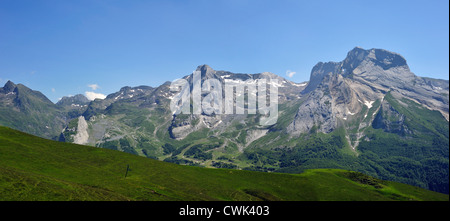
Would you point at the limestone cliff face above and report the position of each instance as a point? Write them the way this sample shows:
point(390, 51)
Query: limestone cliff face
point(182, 125)
point(351, 92)
point(390, 120)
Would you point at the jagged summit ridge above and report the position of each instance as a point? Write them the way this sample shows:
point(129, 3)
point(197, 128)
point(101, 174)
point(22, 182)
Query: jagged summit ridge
point(384, 58)
point(9, 87)
point(73, 100)
point(339, 91)
point(375, 65)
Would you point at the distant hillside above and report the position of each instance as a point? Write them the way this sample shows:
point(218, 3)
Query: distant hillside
point(30, 111)
point(33, 168)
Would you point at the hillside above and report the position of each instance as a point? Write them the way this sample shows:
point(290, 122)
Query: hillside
point(33, 168)
point(30, 111)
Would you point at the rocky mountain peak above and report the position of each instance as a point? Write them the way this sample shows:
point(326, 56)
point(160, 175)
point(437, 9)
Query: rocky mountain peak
point(380, 57)
point(9, 87)
point(387, 59)
point(269, 75)
point(125, 88)
point(70, 100)
point(373, 59)
point(319, 71)
point(379, 66)
point(339, 91)
point(206, 71)
point(353, 59)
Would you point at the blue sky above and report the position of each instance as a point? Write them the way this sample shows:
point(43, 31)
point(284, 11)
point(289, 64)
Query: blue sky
point(63, 47)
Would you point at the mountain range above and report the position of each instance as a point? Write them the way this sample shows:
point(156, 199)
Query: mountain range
point(367, 113)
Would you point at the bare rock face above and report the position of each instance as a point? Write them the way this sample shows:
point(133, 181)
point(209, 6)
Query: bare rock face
point(315, 111)
point(318, 74)
point(340, 93)
point(82, 135)
point(390, 120)
point(182, 125)
point(378, 67)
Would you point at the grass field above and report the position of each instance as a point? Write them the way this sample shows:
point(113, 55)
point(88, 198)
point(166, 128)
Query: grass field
point(36, 169)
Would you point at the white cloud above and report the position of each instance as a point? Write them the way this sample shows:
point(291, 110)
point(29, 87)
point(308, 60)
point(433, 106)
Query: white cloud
point(93, 86)
point(290, 73)
point(92, 95)
point(53, 90)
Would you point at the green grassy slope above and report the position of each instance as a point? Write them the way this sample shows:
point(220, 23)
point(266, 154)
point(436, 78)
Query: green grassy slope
point(32, 168)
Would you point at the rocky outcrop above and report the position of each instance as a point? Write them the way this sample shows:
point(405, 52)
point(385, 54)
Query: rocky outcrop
point(182, 126)
point(78, 99)
point(390, 120)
